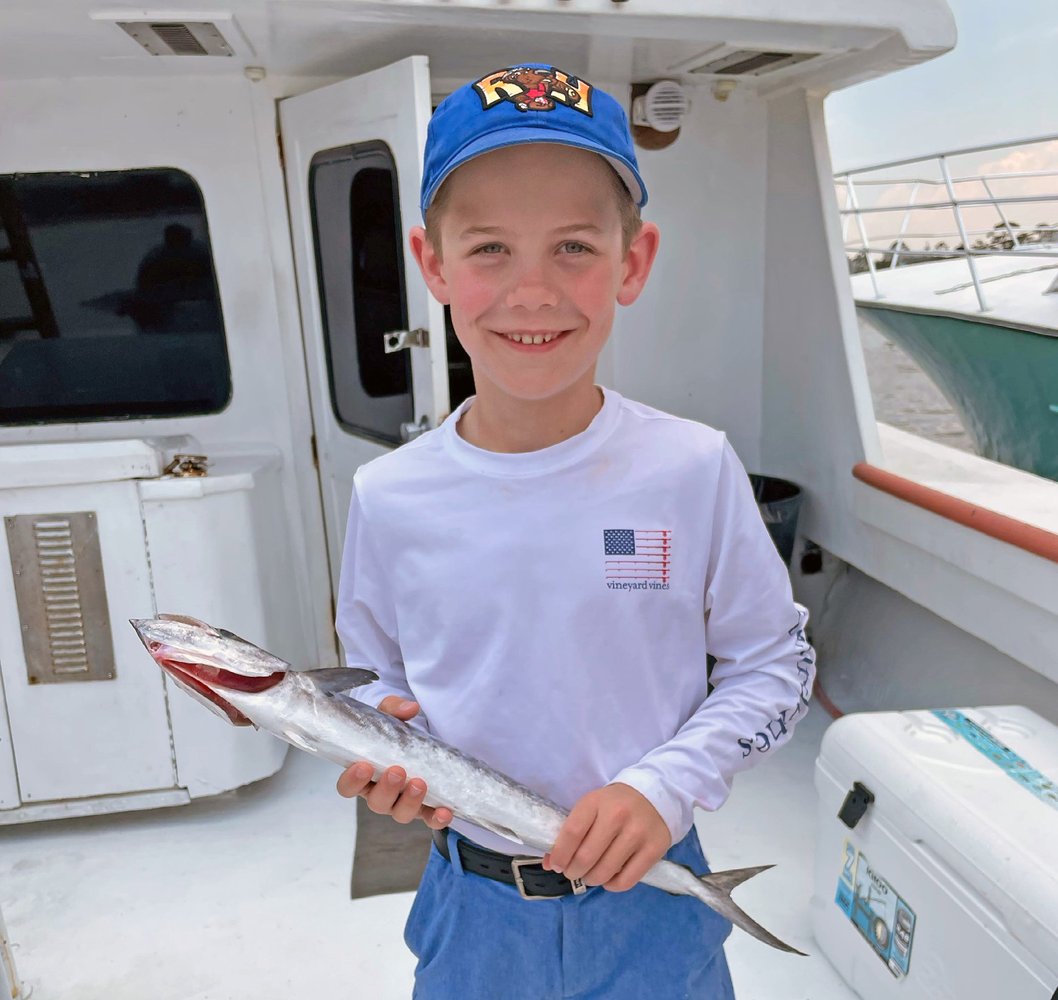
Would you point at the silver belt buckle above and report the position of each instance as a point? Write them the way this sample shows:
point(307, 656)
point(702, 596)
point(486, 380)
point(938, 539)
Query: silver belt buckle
point(579, 888)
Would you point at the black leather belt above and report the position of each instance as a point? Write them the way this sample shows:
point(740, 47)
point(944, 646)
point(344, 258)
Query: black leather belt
point(532, 880)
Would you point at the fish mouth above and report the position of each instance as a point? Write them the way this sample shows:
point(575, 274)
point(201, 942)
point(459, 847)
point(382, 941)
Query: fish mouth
point(203, 680)
point(206, 695)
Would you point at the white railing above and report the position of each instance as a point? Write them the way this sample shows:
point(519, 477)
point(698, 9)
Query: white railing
point(1004, 237)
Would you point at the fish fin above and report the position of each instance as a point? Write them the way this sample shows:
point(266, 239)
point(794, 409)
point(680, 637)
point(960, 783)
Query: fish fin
point(334, 680)
point(188, 620)
point(722, 883)
point(732, 878)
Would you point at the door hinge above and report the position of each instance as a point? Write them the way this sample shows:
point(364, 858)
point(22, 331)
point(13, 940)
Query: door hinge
point(315, 454)
point(282, 156)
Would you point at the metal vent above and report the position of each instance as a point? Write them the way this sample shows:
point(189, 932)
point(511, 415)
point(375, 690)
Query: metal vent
point(748, 62)
point(178, 38)
point(662, 108)
point(180, 41)
point(61, 597)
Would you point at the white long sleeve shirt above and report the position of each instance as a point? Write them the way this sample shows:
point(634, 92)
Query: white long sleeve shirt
point(551, 610)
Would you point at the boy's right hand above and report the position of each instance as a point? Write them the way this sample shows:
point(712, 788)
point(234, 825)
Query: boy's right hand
point(393, 794)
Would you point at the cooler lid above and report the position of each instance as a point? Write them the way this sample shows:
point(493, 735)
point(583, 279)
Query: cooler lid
point(61, 463)
point(975, 791)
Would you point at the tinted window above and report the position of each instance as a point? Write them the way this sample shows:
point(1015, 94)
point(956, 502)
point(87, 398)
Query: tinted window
point(378, 286)
point(360, 270)
point(108, 299)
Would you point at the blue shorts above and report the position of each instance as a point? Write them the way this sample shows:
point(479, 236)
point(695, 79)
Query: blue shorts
point(477, 939)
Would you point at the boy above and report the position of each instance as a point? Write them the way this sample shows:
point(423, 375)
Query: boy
point(529, 580)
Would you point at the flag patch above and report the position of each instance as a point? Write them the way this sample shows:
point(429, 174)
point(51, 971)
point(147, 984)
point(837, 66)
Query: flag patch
point(637, 556)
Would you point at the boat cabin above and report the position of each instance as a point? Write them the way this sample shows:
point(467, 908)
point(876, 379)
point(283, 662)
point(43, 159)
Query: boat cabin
point(209, 317)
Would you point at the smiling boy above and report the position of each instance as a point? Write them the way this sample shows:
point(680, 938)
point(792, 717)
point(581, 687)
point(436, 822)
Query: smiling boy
point(538, 580)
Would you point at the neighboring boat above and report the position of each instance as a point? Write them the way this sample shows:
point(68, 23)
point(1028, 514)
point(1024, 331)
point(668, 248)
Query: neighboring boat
point(209, 317)
point(984, 323)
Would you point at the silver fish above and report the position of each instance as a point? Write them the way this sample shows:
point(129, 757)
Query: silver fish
point(246, 685)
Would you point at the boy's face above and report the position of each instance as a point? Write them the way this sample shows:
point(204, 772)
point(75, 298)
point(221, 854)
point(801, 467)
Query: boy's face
point(531, 248)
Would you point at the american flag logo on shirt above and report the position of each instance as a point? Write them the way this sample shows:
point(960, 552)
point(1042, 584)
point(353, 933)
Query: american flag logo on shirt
point(638, 555)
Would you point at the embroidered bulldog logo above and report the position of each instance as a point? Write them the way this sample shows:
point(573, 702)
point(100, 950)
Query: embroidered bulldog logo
point(531, 88)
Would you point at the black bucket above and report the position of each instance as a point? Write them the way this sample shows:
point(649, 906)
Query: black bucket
point(780, 502)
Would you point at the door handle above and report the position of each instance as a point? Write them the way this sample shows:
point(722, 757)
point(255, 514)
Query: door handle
point(397, 340)
point(409, 429)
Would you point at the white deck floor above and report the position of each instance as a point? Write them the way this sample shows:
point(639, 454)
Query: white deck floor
point(246, 897)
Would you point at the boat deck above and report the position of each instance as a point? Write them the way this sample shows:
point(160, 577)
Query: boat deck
point(246, 896)
point(1015, 289)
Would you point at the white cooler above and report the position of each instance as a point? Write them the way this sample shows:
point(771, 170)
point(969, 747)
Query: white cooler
point(946, 886)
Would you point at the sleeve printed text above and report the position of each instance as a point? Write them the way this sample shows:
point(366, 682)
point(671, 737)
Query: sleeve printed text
point(777, 728)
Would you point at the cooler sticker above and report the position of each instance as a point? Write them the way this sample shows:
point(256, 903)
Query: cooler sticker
point(877, 910)
point(1020, 770)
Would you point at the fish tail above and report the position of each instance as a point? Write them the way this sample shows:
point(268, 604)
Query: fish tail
point(718, 886)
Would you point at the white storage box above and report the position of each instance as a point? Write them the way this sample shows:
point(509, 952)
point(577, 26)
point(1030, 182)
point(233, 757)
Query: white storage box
point(947, 885)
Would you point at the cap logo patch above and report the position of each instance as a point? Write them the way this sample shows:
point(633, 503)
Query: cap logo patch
point(531, 88)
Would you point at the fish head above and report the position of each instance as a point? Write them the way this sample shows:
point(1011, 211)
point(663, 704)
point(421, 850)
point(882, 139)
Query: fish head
point(206, 661)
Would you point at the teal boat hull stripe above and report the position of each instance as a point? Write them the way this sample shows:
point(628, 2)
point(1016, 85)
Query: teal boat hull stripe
point(1002, 382)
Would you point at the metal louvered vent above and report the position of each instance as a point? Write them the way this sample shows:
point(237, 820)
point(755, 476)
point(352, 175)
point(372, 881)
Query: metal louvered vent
point(180, 41)
point(61, 597)
point(178, 38)
point(662, 108)
point(748, 62)
point(62, 602)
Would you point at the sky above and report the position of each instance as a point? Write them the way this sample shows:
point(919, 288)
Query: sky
point(998, 83)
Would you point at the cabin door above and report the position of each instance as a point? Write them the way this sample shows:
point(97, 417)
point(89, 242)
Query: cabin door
point(374, 338)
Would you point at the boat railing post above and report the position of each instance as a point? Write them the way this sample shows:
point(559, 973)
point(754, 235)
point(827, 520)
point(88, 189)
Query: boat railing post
point(967, 252)
point(903, 225)
point(863, 234)
point(846, 212)
point(1002, 214)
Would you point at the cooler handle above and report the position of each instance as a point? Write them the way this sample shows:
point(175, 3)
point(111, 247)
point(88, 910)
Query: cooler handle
point(855, 804)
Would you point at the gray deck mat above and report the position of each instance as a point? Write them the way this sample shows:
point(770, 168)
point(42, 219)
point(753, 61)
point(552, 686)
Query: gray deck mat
point(389, 856)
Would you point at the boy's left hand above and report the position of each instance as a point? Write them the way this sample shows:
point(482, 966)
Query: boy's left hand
point(612, 837)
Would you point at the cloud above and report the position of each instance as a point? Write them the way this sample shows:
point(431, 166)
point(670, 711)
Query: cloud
point(1038, 156)
point(930, 225)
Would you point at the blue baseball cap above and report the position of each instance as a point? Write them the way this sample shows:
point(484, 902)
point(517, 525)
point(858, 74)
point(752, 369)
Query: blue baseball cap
point(532, 102)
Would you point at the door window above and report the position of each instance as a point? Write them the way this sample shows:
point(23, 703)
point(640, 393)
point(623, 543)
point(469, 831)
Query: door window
point(360, 268)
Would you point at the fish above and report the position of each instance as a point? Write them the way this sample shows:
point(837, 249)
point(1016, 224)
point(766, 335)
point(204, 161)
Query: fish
point(311, 710)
